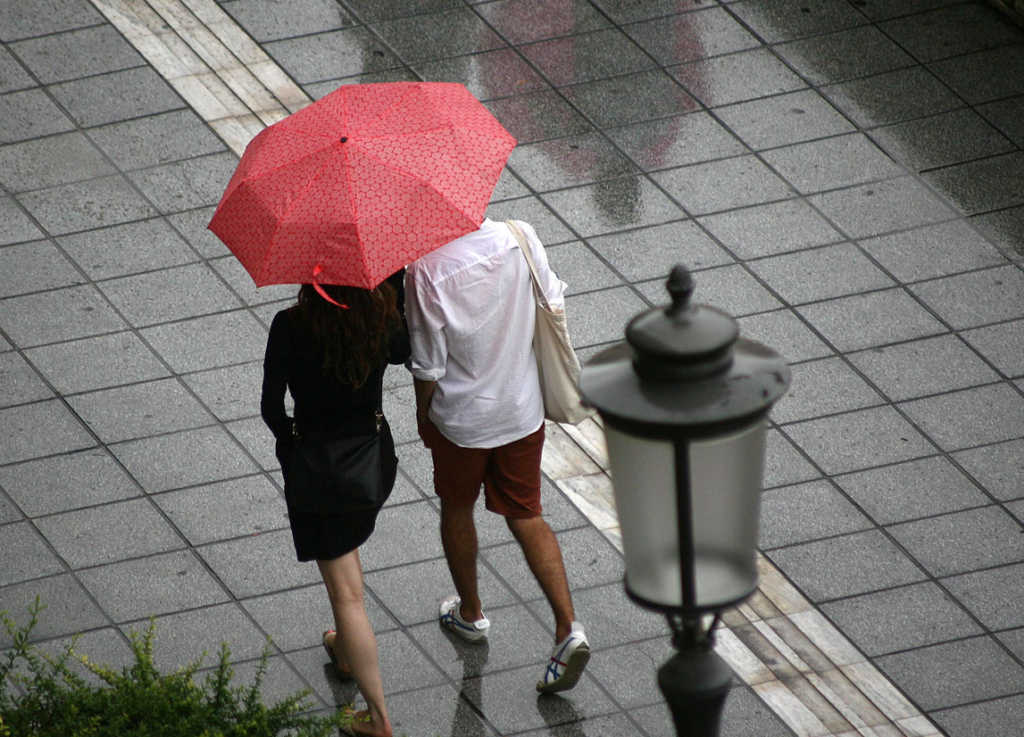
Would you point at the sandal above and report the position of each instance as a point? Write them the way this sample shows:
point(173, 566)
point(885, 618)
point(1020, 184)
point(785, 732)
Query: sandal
point(328, 641)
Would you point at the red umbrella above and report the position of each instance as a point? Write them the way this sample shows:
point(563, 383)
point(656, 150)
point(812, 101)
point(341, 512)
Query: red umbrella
point(361, 183)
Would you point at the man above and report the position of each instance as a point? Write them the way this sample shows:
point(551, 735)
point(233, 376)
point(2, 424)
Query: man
point(471, 312)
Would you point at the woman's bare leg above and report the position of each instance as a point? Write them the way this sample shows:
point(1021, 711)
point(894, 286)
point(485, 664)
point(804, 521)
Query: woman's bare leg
point(354, 643)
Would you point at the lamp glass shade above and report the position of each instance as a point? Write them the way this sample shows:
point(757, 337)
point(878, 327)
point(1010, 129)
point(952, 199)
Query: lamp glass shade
point(723, 475)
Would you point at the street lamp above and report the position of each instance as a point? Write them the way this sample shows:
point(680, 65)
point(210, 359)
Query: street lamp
point(685, 403)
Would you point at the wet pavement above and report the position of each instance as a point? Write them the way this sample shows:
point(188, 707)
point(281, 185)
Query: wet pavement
point(847, 178)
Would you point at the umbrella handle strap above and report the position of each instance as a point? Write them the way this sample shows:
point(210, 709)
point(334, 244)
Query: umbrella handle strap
point(321, 291)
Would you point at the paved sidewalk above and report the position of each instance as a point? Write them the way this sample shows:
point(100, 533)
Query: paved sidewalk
point(845, 177)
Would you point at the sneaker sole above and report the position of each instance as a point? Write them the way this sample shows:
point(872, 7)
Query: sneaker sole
point(571, 676)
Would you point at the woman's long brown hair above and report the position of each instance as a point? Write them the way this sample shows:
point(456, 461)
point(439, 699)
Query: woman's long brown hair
point(354, 341)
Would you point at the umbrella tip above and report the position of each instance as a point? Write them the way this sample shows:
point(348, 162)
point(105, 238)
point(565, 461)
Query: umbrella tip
point(344, 139)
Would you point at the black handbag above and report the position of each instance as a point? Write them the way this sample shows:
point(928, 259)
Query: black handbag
point(338, 473)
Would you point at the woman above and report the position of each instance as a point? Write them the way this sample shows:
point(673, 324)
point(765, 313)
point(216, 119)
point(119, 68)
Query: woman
point(331, 354)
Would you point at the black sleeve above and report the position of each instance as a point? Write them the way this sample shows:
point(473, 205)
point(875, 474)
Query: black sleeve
point(399, 349)
point(275, 379)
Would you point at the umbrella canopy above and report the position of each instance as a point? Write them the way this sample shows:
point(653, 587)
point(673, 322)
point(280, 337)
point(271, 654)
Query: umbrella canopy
point(362, 183)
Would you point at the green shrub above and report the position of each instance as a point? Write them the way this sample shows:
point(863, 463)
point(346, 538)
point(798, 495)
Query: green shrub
point(138, 700)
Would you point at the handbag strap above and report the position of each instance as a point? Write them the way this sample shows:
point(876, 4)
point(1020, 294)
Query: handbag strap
point(524, 245)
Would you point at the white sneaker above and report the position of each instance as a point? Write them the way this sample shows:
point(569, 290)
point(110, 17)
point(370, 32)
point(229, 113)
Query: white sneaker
point(568, 660)
point(451, 619)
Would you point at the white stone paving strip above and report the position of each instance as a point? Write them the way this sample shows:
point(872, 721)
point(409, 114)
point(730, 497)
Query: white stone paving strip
point(777, 643)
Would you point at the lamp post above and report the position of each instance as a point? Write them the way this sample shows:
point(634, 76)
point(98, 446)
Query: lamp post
point(685, 403)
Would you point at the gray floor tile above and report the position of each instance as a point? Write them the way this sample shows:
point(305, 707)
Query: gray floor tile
point(784, 119)
point(568, 162)
point(15, 225)
point(509, 187)
point(769, 229)
point(609, 617)
point(970, 417)
point(106, 646)
point(596, 55)
point(403, 665)
point(723, 80)
point(489, 75)
point(205, 342)
point(86, 205)
point(30, 113)
point(874, 209)
point(81, 53)
point(1002, 344)
point(157, 463)
point(597, 727)
point(629, 672)
point(963, 541)
point(999, 716)
point(933, 250)
point(437, 35)
point(848, 54)
point(629, 11)
point(548, 225)
point(225, 510)
point(68, 609)
point(439, 710)
point(327, 56)
point(1014, 640)
point(170, 294)
point(117, 96)
point(676, 141)
point(858, 440)
point(404, 534)
point(47, 16)
point(728, 288)
point(49, 162)
point(954, 673)
point(649, 253)
point(524, 21)
point(832, 163)
point(62, 314)
point(536, 117)
point(690, 36)
point(804, 512)
point(941, 140)
point(257, 440)
point(846, 566)
point(779, 20)
point(277, 570)
point(230, 393)
point(13, 75)
point(601, 317)
point(19, 384)
point(40, 429)
point(109, 533)
point(8, 511)
point(1006, 115)
point(951, 31)
point(279, 681)
point(783, 464)
point(993, 596)
point(999, 468)
point(96, 363)
point(587, 271)
point(723, 185)
point(24, 555)
point(182, 134)
point(824, 387)
point(126, 249)
point(821, 273)
point(183, 637)
point(906, 491)
point(184, 185)
point(238, 279)
point(264, 21)
point(139, 410)
point(192, 226)
point(871, 320)
point(630, 99)
point(972, 76)
point(914, 616)
point(981, 186)
point(613, 205)
point(65, 482)
point(923, 367)
point(891, 97)
point(1005, 228)
point(511, 704)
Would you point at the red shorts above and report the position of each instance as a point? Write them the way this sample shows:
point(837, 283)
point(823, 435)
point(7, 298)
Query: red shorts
point(510, 474)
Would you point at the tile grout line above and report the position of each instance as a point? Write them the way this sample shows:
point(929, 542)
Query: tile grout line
point(238, 90)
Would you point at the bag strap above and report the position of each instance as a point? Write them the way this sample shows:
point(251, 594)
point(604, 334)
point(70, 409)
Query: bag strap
point(524, 245)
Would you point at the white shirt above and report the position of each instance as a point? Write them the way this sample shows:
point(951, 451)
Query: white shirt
point(471, 314)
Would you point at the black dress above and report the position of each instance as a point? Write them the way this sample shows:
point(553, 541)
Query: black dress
point(322, 404)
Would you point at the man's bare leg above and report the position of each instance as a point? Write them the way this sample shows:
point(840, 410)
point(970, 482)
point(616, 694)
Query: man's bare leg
point(458, 537)
point(544, 557)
